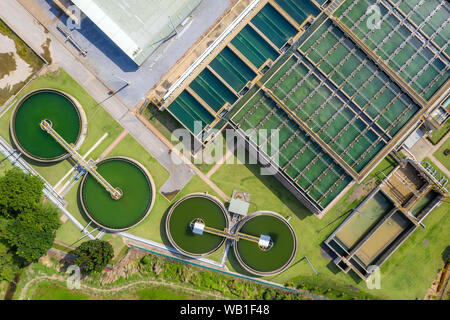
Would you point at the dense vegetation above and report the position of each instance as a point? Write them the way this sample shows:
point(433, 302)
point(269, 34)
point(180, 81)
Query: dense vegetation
point(161, 268)
point(19, 192)
point(93, 256)
point(27, 225)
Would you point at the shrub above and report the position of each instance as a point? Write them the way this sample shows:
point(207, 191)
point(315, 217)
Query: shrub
point(93, 256)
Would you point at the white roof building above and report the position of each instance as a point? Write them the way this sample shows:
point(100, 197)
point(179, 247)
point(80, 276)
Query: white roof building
point(238, 206)
point(137, 26)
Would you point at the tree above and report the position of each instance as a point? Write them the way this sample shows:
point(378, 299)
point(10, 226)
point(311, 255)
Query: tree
point(19, 192)
point(93, 255)
point(32, 233)
point(7, 267)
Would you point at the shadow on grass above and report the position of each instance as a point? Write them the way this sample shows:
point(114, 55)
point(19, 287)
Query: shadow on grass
point(162, 228)
point(381, 174)
point(279, 191)
point(446, 254)
point(84, 215)
point(168, 126)
point(152, 113)
point(333, 221)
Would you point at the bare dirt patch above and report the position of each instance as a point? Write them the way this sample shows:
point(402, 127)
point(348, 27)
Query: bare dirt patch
point(18, 63)
point(362, 190)
point(7, 64)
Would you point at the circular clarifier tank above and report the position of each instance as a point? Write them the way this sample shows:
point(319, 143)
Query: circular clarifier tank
point(138, 194)
point(179, 224)
point(274, 259)
point(64, 113)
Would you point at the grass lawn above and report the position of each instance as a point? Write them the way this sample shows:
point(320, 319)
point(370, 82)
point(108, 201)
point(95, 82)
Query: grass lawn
point(212, 154)
point(161, 294)
point(409, 272)
point(437, 135)
point(117, 244)
point(5, 166)
point(268, 194)
point(435, 167)
point(439, 154)
point(3, 288)
point(51, 291)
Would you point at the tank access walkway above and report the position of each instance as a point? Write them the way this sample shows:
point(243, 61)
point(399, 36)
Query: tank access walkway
point(89, 166)
point(198, 227)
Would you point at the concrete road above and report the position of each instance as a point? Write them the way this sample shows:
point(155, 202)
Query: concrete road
point(31, 31)
point(108, 61)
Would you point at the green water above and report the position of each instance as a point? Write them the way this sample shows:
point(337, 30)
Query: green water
point(430, 26)
point(254, 47)
point(375, 149)
point(359, 224)
point(189, 111)
point(51, 106)
point(422, 203)
point(185, 213)
point(232, 69)
point(324, 184)
point(212, 90)
point(278, 255)
point(128, 210)
point(274, 25)
point(299, 9)
point(419, 69)
point(335, 191)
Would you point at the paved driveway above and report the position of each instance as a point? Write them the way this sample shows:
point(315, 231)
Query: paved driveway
point(113, 66)
point(33, 33)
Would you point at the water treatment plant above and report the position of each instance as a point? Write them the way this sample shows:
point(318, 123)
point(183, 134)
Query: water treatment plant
point(184, 212)
point(49, 125)
point(327, 122)
point(137, 194)
point(64, 112)
point(264, 243)
point(338, 107)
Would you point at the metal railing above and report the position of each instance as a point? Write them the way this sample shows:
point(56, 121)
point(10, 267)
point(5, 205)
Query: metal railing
point(90, 167)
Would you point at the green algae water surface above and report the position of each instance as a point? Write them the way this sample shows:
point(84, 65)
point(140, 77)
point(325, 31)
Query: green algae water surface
point(49, 105)
point(277, 257)
point(127, 211)
point(184, 213)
